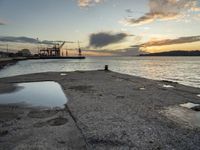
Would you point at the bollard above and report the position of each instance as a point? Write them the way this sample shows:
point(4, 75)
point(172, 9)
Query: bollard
point(106, 68)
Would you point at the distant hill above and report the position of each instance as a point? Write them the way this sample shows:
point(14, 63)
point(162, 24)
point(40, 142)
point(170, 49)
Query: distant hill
point(174, 53)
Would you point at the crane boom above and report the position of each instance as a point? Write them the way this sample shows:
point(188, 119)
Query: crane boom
point(62, 44)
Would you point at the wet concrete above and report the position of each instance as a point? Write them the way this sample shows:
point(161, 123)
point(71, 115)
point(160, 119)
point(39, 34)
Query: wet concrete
point(106, 110)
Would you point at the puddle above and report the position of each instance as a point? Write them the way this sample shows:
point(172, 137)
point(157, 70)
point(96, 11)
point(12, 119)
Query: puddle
point(184, 115)
point(198, 95)
point(168, 86)
point(39, 94)
point(63, 74)
point(142, 88)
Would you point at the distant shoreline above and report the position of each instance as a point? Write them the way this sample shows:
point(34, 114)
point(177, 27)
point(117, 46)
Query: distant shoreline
point(6, 62)
point(174, 53)
point(13, 60)
point(10, 61)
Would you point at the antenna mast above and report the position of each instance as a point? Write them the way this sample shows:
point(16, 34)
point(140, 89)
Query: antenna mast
point(79, 49)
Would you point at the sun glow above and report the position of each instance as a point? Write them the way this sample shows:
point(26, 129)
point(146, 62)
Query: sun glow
point(185, 46)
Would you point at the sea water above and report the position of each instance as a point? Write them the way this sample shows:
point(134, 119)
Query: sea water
point(185, 70)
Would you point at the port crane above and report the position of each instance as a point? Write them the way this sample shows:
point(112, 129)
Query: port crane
point(54, 51)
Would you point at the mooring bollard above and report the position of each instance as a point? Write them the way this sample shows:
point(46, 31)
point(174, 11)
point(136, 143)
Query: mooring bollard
point(106, 68)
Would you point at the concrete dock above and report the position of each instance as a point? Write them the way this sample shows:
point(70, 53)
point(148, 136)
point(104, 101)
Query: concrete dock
point(105, 111)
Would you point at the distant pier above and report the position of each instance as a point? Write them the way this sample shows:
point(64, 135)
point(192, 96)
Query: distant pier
point(59, 57)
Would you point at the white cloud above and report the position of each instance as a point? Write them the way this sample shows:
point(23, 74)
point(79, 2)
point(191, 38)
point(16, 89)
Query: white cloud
point(87, 3)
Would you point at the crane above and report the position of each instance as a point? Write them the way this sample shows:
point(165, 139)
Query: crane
point(61, 46)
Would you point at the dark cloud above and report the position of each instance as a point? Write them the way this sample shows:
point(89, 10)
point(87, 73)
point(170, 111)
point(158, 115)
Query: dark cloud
point(164, 10)
point(102, 39)
point(180, 40)
point(2, 23)
point(18, 39)
point(131, 51)
point(53, 42)
point(29, 40)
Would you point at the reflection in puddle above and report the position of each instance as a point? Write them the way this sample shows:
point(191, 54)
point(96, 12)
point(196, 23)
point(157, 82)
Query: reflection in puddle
point(142, 88)
point(63, 74)
point(44, 94)
point(167, 86)
point(198, 95)
point(183, 115)
point(189, 105)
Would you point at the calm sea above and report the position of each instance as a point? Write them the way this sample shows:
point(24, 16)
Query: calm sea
point(185, 70)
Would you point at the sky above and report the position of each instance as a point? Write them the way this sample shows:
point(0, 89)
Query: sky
point(103, 27)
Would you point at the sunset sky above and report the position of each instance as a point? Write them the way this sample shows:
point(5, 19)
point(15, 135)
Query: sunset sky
point(103, 27)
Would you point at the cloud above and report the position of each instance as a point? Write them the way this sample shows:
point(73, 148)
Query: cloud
point(18, 39)
point(28, 40)
point(180, 40)
point(129, 11)
point(102, 39)
point(87, 3)
point(150, 17)
point(164, 10)
point(130, 51)
point(2, 22)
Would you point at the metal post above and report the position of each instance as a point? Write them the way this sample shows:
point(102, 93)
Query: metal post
point(7, 48)
point(106, 68)
point(38, 46)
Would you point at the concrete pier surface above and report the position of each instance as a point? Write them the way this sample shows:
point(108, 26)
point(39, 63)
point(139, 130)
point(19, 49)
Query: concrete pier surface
point(105, 110)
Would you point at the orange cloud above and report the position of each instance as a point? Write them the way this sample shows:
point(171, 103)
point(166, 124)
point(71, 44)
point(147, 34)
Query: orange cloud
point(175, 47)
point(164, 10)
point(182, 43)
point(150, 17)
point(180, 40)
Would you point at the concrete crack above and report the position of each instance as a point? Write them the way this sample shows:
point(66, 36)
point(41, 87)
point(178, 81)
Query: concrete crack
point(76, 123)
